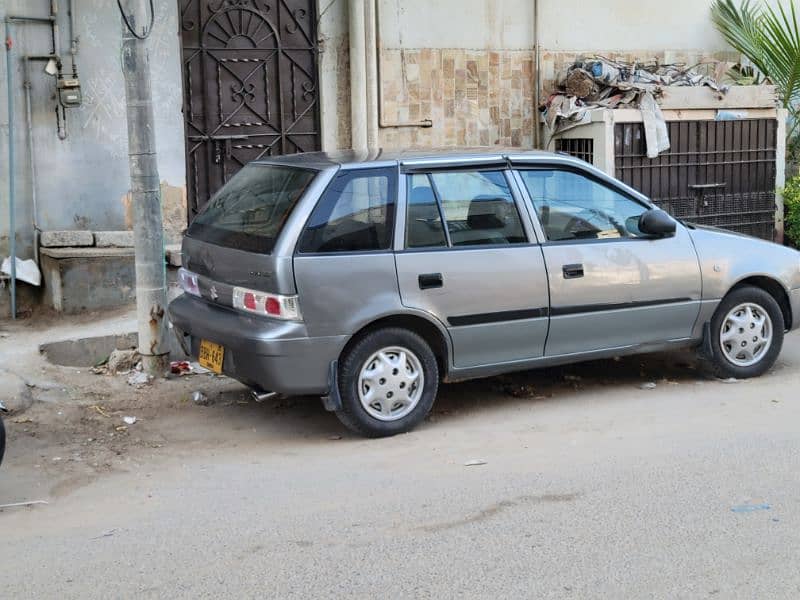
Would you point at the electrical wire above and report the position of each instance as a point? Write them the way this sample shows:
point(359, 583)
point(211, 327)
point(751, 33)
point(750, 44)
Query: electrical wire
point(149, 28)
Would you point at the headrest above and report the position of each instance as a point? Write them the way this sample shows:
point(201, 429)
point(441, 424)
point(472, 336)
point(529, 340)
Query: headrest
point(488, 212)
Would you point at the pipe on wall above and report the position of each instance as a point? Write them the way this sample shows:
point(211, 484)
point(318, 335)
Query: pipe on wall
point(371, 63)
point(31, 157)
point(358, 74)
point(378, 45)
point(12, 188)
point(537, 84)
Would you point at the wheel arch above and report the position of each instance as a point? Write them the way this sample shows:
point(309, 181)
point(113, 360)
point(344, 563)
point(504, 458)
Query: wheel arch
point(433, 334)
point(774, 288)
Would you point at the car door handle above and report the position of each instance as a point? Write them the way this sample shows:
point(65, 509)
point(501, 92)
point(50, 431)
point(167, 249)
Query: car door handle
point(430, 280)
point(572, 271)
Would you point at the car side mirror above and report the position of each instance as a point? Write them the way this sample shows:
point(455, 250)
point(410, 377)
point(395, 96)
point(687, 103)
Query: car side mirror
point(656, 222)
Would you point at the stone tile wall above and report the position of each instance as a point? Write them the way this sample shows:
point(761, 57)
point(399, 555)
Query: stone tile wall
point(473, 97)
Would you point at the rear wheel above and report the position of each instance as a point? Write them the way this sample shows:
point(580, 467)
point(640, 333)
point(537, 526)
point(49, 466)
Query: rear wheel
point(746, 333)
point(387, 382)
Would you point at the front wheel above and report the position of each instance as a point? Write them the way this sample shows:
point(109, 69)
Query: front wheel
point(387, 382)
point(746, 333)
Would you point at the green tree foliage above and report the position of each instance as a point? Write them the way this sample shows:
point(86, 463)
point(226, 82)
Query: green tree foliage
point(791, 218)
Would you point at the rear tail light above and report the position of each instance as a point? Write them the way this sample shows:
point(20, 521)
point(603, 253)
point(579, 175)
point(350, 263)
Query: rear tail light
point(270, 305)
point(189, 282)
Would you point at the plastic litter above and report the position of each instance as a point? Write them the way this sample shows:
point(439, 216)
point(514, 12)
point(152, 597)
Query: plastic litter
point(200, 399)
point(475, 462)
point(29, 503)
point(129, 420)
point(139, 379)
point(747, 508)
point(180, 367)
point(27, 270)
point(650, 385)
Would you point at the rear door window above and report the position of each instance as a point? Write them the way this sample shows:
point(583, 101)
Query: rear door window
point(462, 208)
point(355, 214)
point(249, 211)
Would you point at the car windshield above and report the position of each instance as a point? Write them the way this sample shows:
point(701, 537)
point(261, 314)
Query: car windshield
point(249, 211)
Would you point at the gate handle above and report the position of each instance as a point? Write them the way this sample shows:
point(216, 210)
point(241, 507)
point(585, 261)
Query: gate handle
point(707, 186)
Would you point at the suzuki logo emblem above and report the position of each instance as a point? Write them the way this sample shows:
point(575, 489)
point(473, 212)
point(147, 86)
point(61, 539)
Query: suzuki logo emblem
point(213, 293)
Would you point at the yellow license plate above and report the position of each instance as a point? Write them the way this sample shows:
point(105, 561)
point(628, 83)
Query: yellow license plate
point(211, 356)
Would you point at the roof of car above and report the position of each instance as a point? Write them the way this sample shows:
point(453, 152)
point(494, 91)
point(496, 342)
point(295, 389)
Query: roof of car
point(352, 158)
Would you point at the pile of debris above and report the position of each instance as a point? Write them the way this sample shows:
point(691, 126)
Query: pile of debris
point(598, 83)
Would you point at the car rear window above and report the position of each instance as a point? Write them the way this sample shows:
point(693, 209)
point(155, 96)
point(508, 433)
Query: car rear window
point(249, 211)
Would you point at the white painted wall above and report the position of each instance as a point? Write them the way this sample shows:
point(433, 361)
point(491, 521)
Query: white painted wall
point(81, 181)
point(566, 25)
point(489, 24)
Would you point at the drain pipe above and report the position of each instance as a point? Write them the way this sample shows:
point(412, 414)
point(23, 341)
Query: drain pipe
point(537, 85)
point(73, 39)
point(378, 44)
point(371, 61)
point(358, 68)
point(12, 187)
point(32, 159)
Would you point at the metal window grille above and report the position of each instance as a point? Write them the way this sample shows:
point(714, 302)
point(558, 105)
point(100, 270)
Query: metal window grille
point(582, 148)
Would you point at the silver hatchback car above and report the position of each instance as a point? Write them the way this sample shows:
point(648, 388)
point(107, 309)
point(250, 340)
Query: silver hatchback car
point(368, 279)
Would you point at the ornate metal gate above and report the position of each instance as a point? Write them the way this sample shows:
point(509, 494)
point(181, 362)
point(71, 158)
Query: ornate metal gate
point(250, 86)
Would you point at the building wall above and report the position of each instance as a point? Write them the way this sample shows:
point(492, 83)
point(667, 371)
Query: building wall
point(334, 69)
point(468, 64)
point(82, 181)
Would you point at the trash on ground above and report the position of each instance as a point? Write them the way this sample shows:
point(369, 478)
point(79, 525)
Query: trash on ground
point(201, 399)
point(139, 379)
point(729, 380)
point(23, 420)
point(746, 508)
point(105, 534)
point(129, 420)
point(121, 428)
point(181, 367)
point(650, 385)
point(522, 390)
point(28, 503)
point(100, 410)
point(475, 462)
point(121, 362)
point(26, 270)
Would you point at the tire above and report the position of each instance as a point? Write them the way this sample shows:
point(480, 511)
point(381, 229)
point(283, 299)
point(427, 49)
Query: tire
point(377, 399)
point(754, 359)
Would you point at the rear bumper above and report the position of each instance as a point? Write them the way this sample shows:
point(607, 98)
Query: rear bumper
point(794, 301)
point(273, 355)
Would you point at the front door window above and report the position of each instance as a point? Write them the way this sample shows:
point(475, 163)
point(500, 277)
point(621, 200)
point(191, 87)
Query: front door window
point(571, 206)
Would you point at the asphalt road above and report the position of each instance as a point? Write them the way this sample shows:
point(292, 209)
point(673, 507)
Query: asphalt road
point(601, 490)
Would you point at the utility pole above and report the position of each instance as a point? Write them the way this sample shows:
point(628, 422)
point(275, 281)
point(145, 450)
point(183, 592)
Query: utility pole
point(151, 295)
